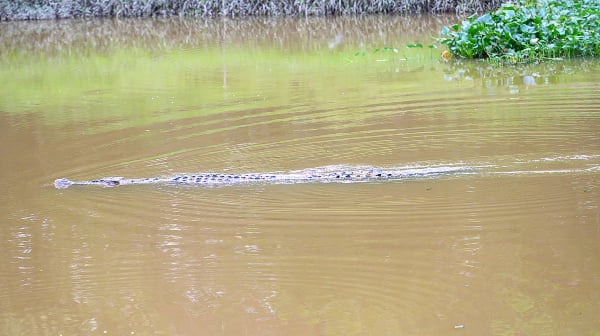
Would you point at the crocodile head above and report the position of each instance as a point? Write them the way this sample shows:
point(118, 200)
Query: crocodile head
point(62, 183)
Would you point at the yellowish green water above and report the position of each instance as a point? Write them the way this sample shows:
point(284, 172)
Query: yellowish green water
point(507, 249)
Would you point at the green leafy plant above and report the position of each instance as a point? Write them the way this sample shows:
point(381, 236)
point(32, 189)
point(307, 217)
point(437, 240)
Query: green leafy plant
point(527, 30)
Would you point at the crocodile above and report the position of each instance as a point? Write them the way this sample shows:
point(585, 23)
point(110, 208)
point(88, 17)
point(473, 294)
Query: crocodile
point(322, 174)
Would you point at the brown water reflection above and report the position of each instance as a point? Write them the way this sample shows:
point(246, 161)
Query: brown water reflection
point(508, 250)
point(308, 34)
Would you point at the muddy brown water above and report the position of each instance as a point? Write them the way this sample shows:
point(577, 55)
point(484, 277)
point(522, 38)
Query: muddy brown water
point(509, 249)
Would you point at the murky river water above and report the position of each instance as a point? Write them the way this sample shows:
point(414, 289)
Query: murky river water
point(510, 248)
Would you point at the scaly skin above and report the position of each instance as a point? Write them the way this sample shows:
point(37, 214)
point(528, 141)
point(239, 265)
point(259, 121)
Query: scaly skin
point(317, 175)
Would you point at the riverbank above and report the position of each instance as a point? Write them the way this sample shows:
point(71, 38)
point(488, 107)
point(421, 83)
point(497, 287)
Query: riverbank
point(11, 10)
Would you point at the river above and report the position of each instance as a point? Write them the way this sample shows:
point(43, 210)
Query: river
point(507, 244)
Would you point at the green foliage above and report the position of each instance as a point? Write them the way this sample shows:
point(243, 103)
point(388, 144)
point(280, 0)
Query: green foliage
point(529, 30)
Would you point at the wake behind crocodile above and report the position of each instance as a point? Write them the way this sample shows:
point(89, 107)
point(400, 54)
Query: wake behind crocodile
point(327, 174)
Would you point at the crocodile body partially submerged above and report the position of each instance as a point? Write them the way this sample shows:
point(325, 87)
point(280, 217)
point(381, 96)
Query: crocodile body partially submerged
point(324, 174)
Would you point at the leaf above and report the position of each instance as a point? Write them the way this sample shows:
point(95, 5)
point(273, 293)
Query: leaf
point(484, 19)
point(527, 29)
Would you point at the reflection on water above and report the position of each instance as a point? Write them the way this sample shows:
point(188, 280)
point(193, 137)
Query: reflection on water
point(151, 35)
point(517, 77)
point(506, 249)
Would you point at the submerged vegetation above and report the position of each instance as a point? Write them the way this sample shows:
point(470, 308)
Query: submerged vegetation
point(58, 9)
point(527, 30)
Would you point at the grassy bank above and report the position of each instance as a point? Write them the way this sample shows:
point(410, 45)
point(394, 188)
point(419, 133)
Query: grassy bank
point(62, 9)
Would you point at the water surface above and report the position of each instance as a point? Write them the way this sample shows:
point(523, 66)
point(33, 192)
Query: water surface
point(509, 249)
